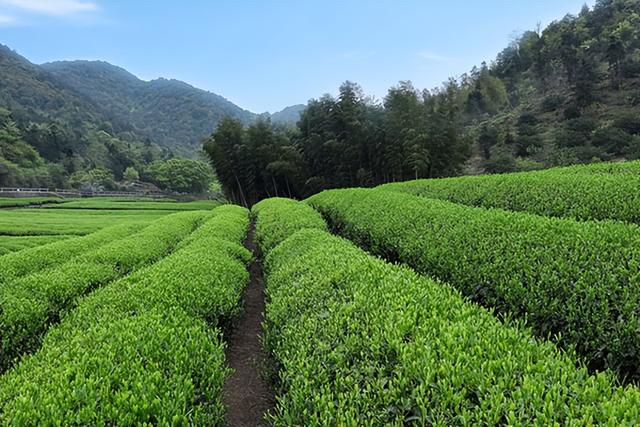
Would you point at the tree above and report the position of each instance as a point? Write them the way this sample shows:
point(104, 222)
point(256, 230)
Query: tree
point(98, 179)
point(487, 138)
point(131, 174)
point(180, 175)
point(405, 131)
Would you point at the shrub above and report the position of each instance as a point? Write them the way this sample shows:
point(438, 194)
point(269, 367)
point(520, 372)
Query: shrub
point(575, 281)
point(278, 218)
point(145, 350)
point(580, 192)
point(29, 304)
point(362, 342)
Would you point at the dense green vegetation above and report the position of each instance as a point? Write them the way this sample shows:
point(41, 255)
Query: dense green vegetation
point(51, 136)
point(153, 335)
point(362, 342)
point(586, 192)
point(29, 304)
point(170, 112)
point(567, 94)
point(14, 202)
point(17, 243)
point(100, 203)
point(573, 281)
point(279, 218)
point(343, 142)
point(32, 260)
point(40, 222)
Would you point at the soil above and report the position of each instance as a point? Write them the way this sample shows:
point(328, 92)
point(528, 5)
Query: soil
point(247, 394)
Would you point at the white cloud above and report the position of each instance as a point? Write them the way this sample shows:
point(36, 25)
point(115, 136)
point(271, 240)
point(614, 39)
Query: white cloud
point(53, 7)
point(430, 56)
point(6, 19)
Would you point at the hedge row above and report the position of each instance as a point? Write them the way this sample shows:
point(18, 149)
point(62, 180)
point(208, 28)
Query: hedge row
point(578, 195)
point(35, 259)
point(628, 167)
point(144, 350)
point(578, 280)
point(10, 244)
point(29, 304)
point(278, 218)
point(15, 202)
point(362, 342)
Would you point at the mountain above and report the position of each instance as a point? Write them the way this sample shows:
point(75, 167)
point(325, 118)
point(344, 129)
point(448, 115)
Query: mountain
point(32, 94)
point(69, 122)
point(84, 123)
point(289, 115)
point(171, 113)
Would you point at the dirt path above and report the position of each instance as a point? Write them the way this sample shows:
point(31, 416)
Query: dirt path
point(246, 394)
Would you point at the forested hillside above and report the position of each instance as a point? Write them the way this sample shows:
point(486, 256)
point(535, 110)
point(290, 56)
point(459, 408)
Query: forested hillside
point(85, 124)
point(170, 112)
point(567, 94)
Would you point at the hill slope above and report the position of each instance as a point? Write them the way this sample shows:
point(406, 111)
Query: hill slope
point(34, 95)
point(170, 112)
point(567, 94)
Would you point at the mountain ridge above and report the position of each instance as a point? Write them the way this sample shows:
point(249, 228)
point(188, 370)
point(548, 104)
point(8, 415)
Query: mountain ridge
point(172, 113)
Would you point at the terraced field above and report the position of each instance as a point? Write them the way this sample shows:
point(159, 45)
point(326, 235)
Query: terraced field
point(468, 301)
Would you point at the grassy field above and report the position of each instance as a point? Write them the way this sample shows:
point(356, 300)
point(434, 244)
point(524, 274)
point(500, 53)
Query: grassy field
point(57, 218)
point(142, 204)
point(15, 202)
point(40, 222)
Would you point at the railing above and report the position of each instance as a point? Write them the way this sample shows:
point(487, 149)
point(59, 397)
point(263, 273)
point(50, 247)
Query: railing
point(80, 193)
point(23, 190)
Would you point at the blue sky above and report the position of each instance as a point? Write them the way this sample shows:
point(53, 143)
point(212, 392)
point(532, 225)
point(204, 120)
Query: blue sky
point(266, 55)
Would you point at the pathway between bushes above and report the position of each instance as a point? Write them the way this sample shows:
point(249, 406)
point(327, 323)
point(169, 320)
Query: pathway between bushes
point(246, 394)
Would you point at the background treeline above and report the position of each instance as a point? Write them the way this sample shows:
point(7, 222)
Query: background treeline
point(346, 141)
point(53, 156)
point(567, 94)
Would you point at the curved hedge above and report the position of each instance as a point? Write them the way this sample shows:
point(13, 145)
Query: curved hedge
point(363, 342)
point(574, 193)
point(578, 280)
point(144, 350)
point(32, 260)
point(29, 304)
point(278, 218)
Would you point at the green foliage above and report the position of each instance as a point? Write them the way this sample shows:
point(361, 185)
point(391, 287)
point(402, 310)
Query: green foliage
point(341, 142)
point(585, 193)
point(71, 119)
point(180, 175)
point(131, 174)
point(277, 219)
point(17, 243)
point(150, 334)
point(38, 222)
point(169, 112)
point(550, 271)
point(30, 303)
point(15, 202)
point(362, 342)
point(93, 180)
point(39, 258)
point(254, 162)
point(108, 203)
point(575, 67)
